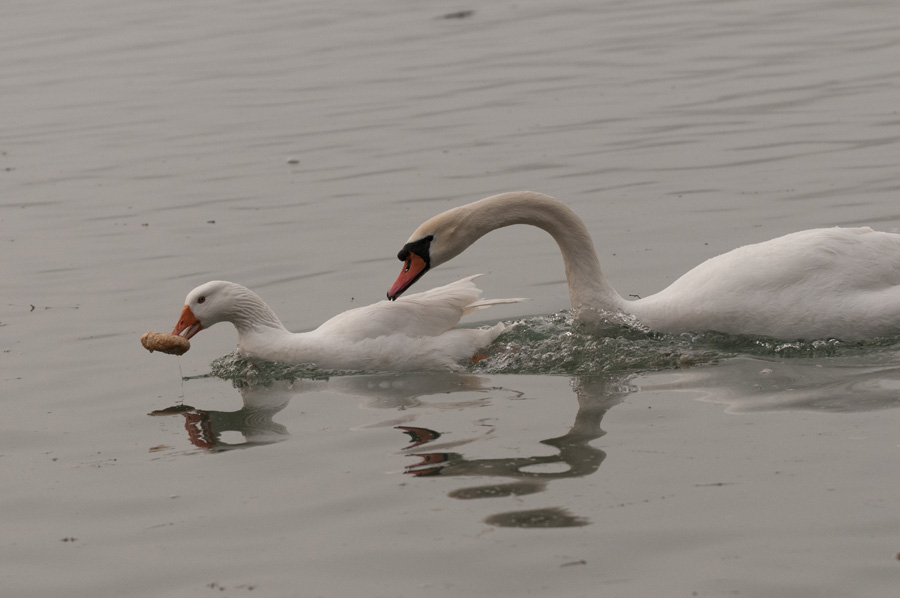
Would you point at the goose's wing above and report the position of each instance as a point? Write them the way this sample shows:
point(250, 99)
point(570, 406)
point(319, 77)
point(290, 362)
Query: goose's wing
point(423, 314)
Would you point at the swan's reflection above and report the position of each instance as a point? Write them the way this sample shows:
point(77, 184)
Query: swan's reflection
point(594, 400)
point(596, 395)
point(748, 384)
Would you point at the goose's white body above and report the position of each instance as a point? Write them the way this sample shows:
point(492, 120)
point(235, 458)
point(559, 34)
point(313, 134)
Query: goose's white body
point(821, 283)
point(413, 334)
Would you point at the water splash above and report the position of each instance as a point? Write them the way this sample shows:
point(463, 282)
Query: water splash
point(557, 345)
point(239, 369)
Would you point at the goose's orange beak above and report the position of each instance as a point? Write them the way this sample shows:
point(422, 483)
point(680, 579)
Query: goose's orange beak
point(413, 269)
point(188, 325)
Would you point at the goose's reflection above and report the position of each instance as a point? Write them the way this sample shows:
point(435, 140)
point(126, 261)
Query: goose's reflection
point(209, 430)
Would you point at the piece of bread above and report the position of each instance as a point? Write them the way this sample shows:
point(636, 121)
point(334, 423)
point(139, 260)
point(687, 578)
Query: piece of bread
point(165, 342)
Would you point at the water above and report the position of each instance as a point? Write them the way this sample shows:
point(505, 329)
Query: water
point(293, 147)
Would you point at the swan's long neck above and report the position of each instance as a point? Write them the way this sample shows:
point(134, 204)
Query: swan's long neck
point(588, 287)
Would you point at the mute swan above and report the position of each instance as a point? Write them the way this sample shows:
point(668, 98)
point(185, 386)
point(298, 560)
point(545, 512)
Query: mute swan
point(821, 283)
point(411, 334)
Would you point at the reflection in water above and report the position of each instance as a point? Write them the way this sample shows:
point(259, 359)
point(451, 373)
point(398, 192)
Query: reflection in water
point(253, 421)
point(541, 518)
point(748, 384)
point(596, 395)
point(264, 398)
point(419, 436)
point(574, 458)
point(744, 383)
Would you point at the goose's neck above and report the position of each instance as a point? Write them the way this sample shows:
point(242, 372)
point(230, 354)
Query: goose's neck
point(250, 314)
point(588, 287)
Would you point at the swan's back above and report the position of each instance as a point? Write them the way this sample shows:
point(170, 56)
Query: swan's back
point(835, 282)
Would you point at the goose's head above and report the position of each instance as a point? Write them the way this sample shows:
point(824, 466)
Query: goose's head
point(206, 305)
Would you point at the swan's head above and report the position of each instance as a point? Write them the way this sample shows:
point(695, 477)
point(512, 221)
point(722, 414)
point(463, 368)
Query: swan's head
point(439, 239)
point(443, 237)
point(208, 304)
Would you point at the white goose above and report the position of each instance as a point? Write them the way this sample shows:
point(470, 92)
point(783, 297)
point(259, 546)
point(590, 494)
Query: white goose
point(821, 283)
point(415, 333)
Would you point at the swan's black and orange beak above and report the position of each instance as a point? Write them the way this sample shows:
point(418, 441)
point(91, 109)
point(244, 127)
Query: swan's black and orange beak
point(413, 269)
point(416, 258)
point(188, 324)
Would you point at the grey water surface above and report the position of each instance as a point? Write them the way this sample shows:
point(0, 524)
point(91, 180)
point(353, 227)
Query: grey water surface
point(293, 146)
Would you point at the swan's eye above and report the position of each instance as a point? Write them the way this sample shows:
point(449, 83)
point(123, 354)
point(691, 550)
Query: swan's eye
point(201, 299)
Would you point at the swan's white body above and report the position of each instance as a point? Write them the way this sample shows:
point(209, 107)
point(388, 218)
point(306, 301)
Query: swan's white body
point(822, 283)
point(412, 334)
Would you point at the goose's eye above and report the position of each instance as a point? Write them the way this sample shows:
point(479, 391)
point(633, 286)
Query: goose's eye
point(201, 299)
